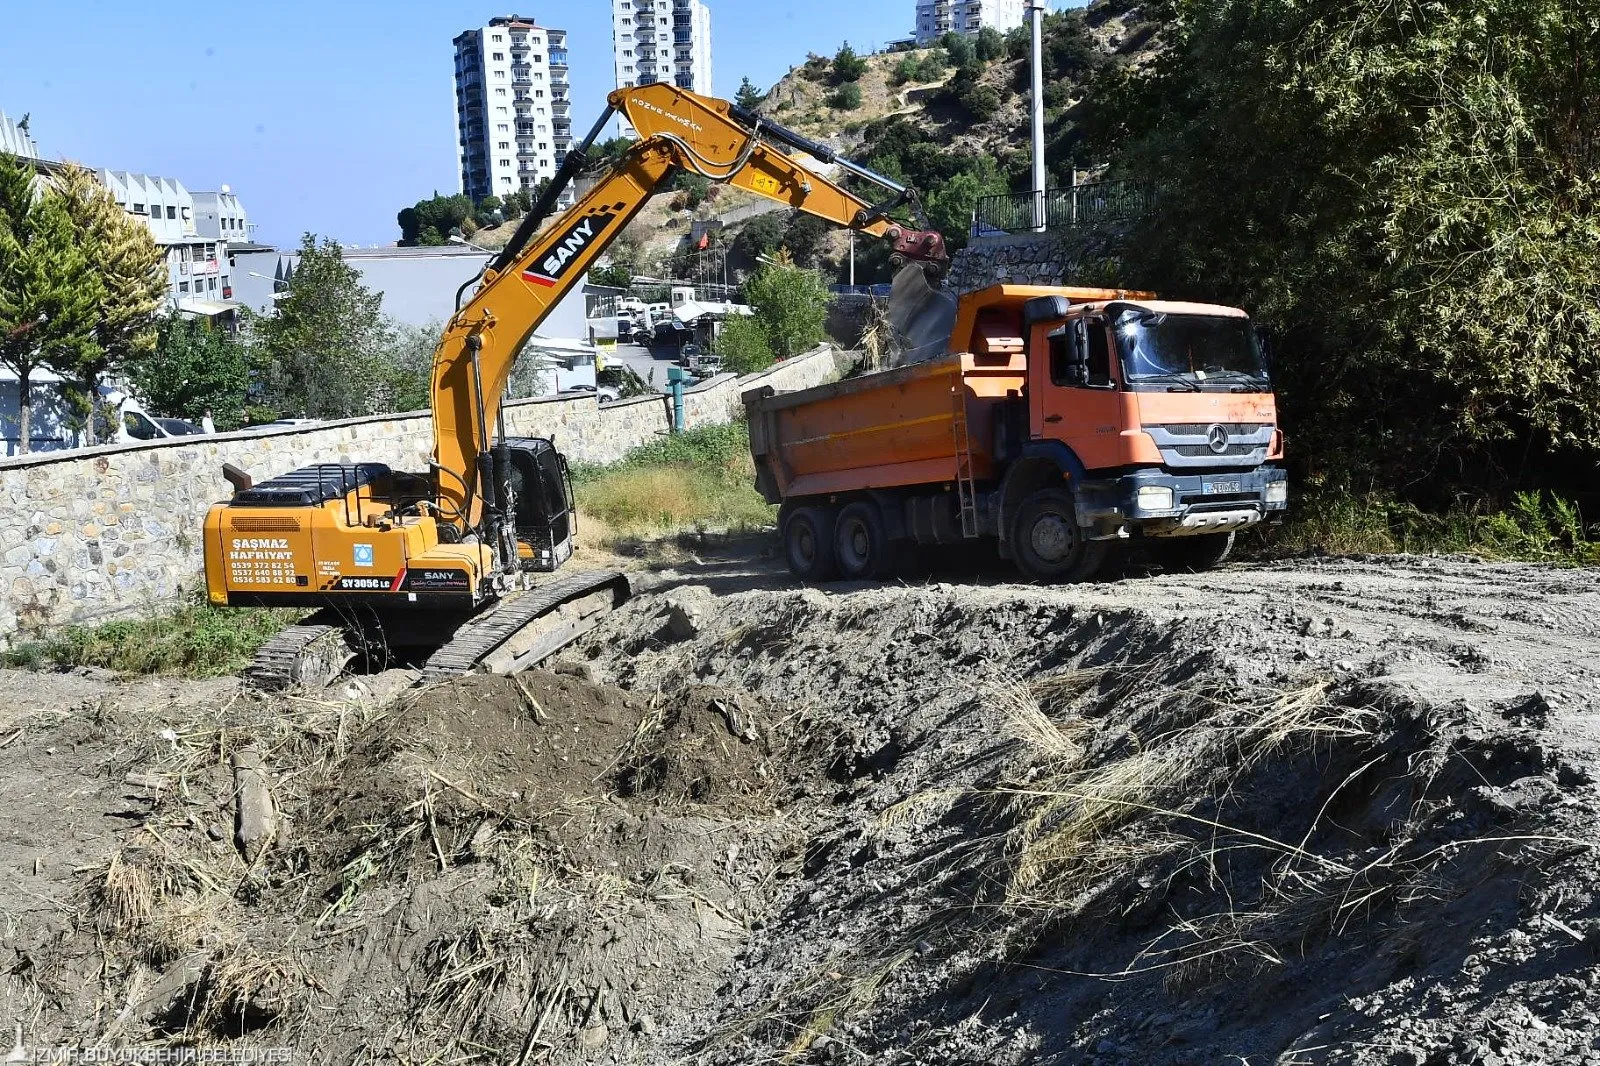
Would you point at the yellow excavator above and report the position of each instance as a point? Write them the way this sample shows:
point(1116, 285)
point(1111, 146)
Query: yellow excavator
point(457, 560)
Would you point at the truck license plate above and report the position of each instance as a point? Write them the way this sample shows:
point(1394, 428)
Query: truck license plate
point(1221, 488)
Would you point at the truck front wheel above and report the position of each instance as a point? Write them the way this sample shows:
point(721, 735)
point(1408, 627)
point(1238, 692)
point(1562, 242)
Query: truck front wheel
point(808, 543)
point(1193, 554)
point(860, 543)
point(1049, 545)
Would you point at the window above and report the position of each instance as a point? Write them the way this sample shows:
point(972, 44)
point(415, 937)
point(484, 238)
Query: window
point(627, 53)
point(497, 38)
point(138, 209)
point(1063, 355)
point(500, 110)
point(183, 287)
point(172, 212)
point(499, 57)
point(211, 284)
point(504, 127)
point(500, 92)
point(499, 73)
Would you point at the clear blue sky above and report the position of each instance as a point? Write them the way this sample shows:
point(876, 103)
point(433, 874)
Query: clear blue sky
point(330, 116)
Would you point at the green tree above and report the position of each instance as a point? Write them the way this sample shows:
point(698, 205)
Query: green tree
point(490, 211)
point(990, 45)
point(323, 350)
point(742, 343)
point(791, 306)
point(760, 236)
point(748, 97)
point(1407, 197)
point(846, 97)
point(429, 222)
point(405, 367)
point(847, 66)
point(50, 293)
point(614, 276)
point(961, 49)
point(195, 366)
point(133, 275)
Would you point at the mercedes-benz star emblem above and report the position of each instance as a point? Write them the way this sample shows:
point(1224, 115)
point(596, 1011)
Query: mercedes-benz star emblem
point(1217, 439)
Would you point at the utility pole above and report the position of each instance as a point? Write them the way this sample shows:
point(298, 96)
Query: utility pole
point(1036, 9)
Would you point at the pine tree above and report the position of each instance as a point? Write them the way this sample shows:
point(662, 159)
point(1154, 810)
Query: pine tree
point(132, 269)
point(749, 96)
point(49, 289)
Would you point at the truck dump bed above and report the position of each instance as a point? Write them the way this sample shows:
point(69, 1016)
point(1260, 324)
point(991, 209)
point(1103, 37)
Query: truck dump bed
point(892, 428)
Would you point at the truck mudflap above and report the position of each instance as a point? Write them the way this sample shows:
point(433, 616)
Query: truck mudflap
point(1154, 503)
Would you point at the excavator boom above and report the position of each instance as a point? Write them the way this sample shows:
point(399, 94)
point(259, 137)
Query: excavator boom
point(541, 264)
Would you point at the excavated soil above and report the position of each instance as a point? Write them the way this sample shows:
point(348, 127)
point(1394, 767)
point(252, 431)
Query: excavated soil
point(1331, 811)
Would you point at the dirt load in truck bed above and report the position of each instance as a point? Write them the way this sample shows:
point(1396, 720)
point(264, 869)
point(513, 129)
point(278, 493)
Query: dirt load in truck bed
point(1320, 811)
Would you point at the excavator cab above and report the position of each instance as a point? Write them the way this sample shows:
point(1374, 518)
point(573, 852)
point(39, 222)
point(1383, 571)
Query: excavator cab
point(542, 507)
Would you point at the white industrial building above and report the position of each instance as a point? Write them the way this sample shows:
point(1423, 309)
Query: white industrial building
point(200, 278)
point(661, 41)
point(513, 106)
point(935, 18)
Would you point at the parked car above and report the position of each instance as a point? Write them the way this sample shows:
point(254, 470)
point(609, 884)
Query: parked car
point(178, 427)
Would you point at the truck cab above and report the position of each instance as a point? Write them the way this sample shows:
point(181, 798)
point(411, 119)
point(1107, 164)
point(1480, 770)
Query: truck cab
point(1166, 406)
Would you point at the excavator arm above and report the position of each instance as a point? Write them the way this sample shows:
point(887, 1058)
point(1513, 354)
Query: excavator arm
point(542, 264)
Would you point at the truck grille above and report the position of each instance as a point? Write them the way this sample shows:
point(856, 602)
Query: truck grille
point(242, 524)
point(1202, 450)
point(1199, 429)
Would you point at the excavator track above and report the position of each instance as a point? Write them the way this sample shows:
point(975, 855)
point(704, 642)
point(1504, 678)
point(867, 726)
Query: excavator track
point(303, 656)
point(484, 635)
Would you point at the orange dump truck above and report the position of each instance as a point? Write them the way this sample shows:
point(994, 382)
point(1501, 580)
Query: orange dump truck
point(1062, 422)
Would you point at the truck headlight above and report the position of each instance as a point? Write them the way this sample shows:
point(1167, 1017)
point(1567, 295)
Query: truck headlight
point(1277, 492)
point(1155, 498)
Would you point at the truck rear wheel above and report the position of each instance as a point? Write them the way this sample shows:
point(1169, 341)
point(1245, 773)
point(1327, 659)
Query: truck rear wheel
point(1048, 544)
point(860, 543)
point(1193, 554)
point(808, 543)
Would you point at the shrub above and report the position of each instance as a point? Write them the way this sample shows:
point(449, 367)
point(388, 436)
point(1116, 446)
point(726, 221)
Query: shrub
point(846, 97)
point(847, 66)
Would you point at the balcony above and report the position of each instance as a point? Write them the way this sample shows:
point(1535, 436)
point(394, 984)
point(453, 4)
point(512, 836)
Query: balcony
point(558, 59)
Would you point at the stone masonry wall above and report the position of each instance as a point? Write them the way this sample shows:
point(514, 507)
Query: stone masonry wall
point(102, 532)
point(1073, 257)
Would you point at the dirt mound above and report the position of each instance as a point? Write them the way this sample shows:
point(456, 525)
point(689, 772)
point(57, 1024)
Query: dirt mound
point(457, 869)
point(1334, 811)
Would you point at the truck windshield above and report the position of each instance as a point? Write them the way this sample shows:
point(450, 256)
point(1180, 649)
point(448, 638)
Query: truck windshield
point(1189, 350)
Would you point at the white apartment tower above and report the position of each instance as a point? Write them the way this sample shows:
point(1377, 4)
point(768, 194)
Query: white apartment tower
point(513, 106)
point(662, 40)
point(935, 18)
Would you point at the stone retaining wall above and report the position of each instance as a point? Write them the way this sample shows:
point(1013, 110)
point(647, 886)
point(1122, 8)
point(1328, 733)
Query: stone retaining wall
point(1073, 257)
point(101, 532)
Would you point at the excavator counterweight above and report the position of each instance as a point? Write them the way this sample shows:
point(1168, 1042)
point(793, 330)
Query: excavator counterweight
point(456, 560)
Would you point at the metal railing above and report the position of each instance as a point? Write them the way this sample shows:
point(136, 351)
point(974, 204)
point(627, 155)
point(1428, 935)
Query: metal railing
point(1092, 204)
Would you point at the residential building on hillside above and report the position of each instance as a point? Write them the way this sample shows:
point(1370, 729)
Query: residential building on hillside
point(935, 18)
point(200, 278)
point(513, 106)
point(15, 139)
point(661, 41)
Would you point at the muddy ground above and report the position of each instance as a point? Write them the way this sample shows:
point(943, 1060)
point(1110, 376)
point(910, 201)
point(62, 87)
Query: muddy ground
point(1321, 811)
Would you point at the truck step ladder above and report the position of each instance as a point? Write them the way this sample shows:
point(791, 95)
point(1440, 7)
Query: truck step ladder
point(966, 491)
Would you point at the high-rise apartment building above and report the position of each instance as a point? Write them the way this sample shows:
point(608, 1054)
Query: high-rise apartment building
point(935, 18)
point(662, 40)
point(513, 106)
